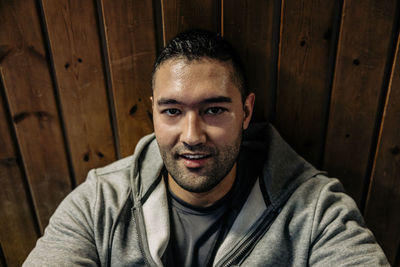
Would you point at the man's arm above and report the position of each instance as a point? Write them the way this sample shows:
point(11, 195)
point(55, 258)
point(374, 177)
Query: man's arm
point(339, 235)
point(68, 239)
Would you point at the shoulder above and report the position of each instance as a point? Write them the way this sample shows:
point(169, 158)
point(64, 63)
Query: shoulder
point(320, 184)
point(326, 192)
point(108, 185)
point(79, 229)
point(315, 194)
point(116, 166)
point(339, 233)
point(321, 193)
point(116, 174)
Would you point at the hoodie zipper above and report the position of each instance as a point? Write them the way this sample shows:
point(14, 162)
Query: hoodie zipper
point(137, 215)
point(139, 222)
point(138, 236)
point(244, 249)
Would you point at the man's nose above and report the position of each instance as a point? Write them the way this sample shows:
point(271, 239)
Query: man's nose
point(193, 130)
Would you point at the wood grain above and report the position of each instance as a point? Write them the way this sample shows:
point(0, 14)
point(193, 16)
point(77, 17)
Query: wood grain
point(75, 45)
point(31, 99)
point(382, 207)
point(132, 50)
point(303, 75)
point(33, 161)
point(17, 224)
point(180, 15)
point(252, 34)
point(364, 42)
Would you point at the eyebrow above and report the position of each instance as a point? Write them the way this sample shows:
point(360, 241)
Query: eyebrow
point(167, 101)
point(211, 100)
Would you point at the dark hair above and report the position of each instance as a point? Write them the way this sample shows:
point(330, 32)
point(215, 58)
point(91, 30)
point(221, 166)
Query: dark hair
point(197, 44)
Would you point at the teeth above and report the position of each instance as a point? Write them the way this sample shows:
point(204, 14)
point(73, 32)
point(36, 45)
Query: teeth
point(194, 156)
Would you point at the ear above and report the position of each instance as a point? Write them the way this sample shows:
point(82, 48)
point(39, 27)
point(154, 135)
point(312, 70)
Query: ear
point(248, 109)
point(152, 102)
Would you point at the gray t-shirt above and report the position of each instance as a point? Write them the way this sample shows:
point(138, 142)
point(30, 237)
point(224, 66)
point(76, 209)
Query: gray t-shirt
point(195, 231)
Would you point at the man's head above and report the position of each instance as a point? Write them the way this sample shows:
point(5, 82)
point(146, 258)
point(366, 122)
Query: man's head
point(199, 113)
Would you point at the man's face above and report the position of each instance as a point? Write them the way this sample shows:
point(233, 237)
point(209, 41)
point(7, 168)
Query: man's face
point(198, 121)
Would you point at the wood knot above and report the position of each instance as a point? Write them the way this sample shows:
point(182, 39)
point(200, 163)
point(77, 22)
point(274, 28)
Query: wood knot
point(5, 50)
point(8, 161)
point(17, 118)
point(42, 115)
point(395, 150)
point(133, 110)
point(328, 34)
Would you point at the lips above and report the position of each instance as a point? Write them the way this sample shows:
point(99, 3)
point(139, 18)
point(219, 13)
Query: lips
point(193, 161)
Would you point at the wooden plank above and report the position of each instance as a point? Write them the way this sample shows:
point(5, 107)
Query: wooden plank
point(76, 50)
point(303, 74)
point(356, 91)
point(132, 50)
point(180, 15)
point(17, 225)
point(30, 95)
point(250, 28)
point(382, 207)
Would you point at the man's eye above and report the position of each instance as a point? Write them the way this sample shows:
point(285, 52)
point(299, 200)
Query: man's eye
point(215, 110)
point(171, 111)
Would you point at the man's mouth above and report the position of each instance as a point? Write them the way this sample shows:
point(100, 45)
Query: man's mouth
point(194, 160)
point(194, 156)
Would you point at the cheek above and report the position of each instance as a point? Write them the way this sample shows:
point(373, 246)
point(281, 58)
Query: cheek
point(165, 134)
point(226, 134)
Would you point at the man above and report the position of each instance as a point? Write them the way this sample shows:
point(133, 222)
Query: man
point(207, 188)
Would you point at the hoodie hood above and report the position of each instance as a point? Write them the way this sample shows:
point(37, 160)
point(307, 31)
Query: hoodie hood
point(262, 147)
point(282, 167)
point(147, 162)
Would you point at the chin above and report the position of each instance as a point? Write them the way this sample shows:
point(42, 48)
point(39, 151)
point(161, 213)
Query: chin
point(202, 185)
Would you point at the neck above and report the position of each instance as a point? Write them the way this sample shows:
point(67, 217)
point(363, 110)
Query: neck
point(204, 199)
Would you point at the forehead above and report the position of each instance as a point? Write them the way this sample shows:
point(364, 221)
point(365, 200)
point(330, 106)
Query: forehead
point(194, 79)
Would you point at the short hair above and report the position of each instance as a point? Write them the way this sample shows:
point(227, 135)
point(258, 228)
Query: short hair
point(197, 44)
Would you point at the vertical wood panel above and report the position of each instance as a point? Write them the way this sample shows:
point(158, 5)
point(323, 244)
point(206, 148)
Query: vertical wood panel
point(382, 217)
point(180, 15)
point(17, 225)
point(30, 94)
point(75, 46)
point(364, 42)
point(132, 50)
point(249, 26)
point(303, 74)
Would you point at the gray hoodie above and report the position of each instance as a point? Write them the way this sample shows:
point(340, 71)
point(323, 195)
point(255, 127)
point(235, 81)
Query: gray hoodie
point(293, 215)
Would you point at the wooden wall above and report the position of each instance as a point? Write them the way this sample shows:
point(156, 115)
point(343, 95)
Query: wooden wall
point(75, 87)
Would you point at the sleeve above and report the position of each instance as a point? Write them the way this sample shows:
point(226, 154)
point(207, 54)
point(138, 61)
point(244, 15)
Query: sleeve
point(339, 235)
point(69, 238)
